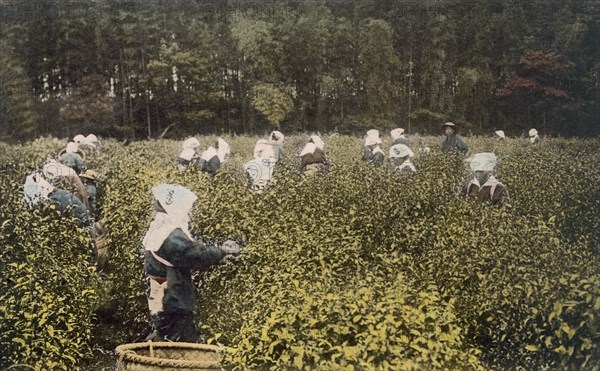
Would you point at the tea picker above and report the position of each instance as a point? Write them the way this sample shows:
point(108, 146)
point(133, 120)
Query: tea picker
point(483, 186)
point(453, 142)
point(312, 157)
point(372, 152)
point(171, 255)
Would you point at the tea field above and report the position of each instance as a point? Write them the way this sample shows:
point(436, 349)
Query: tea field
point(362, 269)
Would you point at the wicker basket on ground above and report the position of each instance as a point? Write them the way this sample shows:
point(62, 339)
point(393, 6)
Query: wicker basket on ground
point(154, 356)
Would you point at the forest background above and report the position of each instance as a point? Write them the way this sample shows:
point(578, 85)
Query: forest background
point(150, 69)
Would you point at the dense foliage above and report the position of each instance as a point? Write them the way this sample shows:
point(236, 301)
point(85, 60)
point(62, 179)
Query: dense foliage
point(362, 268)
point(149, 69)
point(49, 287)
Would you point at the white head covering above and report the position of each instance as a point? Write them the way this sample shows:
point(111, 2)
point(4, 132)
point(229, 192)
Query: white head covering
point(91, 140)
point(318, 142)
point(370, 141)
point(36, 189)
point(500, 133)
point(278, 137)
point(190, 143)
point(308, 148)
point(54, 169)
point(400, 150)
point(372, 138)
point(396, 133)
point(223, 151)
point(177, 202)
point(373, 133)
point(260, 170)
point(174, 198)
point(533, 132)
point(187, 154)
point(484, 161)
point(79, 139)
point(209, 153)
point(72, 147)
point(263, 149)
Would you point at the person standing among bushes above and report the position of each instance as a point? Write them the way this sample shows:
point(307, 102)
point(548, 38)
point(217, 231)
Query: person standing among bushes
point(90, 180)
point(453, 141)
point(372, 152)
point(37, 190)
point(534, 137)
point(312, 157)
point(72, 157)
point(170, 256)
point(188, 152)
point(65, 177)
point(276, 138)
point(260, 169)
point(214, 157)
point(398, 137)
point(400, 157)
point(483, 185)
point(209, 161)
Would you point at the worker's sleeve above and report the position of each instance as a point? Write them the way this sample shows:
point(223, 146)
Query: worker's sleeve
point(183, 252)
point(500, 196)
point(213, 165)
point(69, 204)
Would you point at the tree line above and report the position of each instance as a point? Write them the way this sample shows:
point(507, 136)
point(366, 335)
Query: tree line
point(169, 68)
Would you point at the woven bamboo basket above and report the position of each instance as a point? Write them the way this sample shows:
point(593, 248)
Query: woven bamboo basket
point(154, 356)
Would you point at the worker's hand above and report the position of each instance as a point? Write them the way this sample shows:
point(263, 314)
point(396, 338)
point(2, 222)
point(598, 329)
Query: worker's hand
point(228, 259)
point(231, 247)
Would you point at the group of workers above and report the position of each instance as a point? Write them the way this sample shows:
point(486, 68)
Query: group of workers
point(65, 181)
point(170, 251)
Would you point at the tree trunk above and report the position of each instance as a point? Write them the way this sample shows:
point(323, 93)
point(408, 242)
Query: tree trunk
point(123, 96)
point(148, 121)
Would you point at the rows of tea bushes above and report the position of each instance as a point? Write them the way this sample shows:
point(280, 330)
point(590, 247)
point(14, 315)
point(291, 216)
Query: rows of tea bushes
point(363, 268)
point(49, 286)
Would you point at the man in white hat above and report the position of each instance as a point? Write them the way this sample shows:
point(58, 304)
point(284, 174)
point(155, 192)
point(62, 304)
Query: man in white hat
point(372, 152)
point(312, 157)
point(453, 142)
point(483, 186)
point(534, 137)
point(400, 157)
point(170, 256)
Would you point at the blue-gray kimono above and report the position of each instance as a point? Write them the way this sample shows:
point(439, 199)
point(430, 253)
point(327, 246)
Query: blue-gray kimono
point(176, 321)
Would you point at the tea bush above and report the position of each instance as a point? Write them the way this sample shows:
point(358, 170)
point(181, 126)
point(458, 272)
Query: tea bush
point(362, 268)
point(49, 286)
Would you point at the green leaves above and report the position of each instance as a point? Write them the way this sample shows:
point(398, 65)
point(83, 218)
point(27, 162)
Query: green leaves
point(361, 269)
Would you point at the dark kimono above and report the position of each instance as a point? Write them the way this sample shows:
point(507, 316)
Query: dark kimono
point(176, 321)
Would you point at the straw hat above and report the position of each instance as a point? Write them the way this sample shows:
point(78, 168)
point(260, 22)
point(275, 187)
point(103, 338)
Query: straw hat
point(90, 174)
